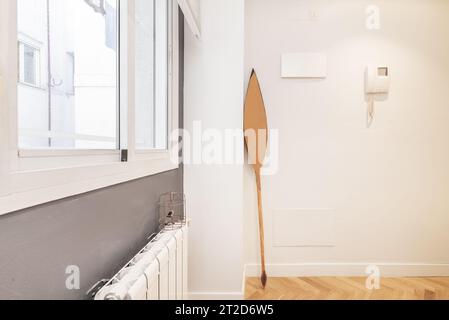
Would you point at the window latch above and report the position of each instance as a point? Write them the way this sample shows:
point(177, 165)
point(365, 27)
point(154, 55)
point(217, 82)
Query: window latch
point(124, 155)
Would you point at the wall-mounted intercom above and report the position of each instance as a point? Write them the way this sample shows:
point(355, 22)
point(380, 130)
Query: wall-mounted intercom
point(377, 81)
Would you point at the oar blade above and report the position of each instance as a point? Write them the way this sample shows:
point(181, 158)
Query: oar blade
point(255, 123)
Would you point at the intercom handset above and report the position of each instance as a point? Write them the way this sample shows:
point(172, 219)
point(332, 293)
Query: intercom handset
point(377, 81)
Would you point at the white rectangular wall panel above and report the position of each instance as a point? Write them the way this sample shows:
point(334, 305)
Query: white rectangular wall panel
point(304, 228)
point(304, 65)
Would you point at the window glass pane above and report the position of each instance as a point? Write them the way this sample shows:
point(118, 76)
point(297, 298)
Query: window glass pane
point(151, 74)
point(75, 106)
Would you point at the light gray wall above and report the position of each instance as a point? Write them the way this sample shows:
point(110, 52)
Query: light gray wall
point(98, 232)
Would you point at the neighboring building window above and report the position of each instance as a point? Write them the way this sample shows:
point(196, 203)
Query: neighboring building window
point(29, 62)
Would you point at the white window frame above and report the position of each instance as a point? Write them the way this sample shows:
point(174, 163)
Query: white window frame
point(33, 177)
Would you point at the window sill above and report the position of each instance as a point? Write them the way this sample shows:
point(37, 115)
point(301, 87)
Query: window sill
point(34, 188)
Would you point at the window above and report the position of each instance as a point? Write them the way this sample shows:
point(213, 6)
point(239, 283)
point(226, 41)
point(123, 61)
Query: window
point(58, 117)
point(29, 64)
point(85, 80)
point(151, 74)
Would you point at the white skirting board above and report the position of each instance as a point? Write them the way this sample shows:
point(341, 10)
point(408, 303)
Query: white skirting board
point(349, 270)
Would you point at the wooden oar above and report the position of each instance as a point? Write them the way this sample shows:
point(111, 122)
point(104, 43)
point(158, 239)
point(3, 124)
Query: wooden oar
point(256, 138)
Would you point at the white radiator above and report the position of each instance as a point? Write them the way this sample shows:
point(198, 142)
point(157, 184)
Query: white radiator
point(158, 272)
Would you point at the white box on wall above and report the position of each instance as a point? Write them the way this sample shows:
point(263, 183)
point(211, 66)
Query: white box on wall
point(304, 65)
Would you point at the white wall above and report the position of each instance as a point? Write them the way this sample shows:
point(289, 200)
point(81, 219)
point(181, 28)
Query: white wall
point(214, 91)
point(386, 187)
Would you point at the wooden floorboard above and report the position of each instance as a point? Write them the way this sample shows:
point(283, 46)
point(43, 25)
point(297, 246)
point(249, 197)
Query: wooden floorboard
point(347, 288)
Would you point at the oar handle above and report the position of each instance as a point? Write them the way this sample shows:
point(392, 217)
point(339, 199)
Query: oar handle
point(261, 228)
